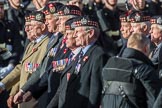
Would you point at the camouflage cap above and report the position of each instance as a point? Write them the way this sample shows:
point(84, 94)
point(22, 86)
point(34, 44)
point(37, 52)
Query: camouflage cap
point(70, 10)
point(52, 8)
point(85, 21)
point(38, 16)
point(156, 20)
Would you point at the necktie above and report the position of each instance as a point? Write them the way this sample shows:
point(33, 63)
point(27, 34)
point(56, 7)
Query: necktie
point(80, 56)
point(70, 58)
point(154, 51)
point(78, 65)
point(51, 40)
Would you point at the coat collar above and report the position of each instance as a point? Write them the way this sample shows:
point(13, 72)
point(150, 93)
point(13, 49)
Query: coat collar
point(53, 40)
point(133, 53)
point(88, 53)
point(34, 48)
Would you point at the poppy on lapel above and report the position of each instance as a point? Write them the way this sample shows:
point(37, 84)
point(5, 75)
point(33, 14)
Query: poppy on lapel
point(68, 76)
point(85, 58)
point(34, 49)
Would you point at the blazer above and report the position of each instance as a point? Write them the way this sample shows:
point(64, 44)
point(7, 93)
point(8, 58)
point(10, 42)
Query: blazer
point(32, 58)
point(82, 89)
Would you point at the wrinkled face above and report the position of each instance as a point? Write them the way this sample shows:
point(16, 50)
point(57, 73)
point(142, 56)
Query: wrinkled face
point(61, 23)
point(125, 29)
point(139, 4)
point(81, 36)
point(51, 22)
point(76, 3)
point(1, 12)
point(37, 28)
point(136, 28)
point(110, 2)
point(70, 40)
point(29, 31)
point(156, 33)
point(27, 26)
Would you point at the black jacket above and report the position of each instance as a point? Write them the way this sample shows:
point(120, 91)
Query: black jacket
point(83, 89)
point(145, 81)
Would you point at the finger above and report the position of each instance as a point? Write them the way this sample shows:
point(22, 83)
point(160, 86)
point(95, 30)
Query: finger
point(15, 100)
point(18, 101)
point(9, 103)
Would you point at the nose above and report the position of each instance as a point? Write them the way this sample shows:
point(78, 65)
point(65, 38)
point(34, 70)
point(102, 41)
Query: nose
point(121, 28)
point(46, 22)
point(75, 34)
point(26, 28)
point(58, 22)
point(150, 31)
point(131, 30)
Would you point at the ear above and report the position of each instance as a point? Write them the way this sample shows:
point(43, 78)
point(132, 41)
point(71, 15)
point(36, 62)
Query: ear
point(43, 27)
point(91, 33)
point(145, 28)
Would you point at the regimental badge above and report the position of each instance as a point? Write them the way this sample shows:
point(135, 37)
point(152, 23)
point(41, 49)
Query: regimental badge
point(159, 20)
point(59, 65)
point(83, 21)
point(38, 17)
point(52, 9)
point(137, 17)
point(66, 11)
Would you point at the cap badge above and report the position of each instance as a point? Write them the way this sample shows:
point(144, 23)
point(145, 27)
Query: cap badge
point(84, 21)
point(38, 17)
point(52, 9)
point(159, 20)
point(66, 11)
point(137, 17)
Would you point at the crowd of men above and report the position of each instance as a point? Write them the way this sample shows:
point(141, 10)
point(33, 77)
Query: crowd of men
point(76, 55)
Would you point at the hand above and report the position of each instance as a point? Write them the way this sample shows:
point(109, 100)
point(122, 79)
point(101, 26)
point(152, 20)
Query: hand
point(10, 103)
point(6, 70)
point(18, 98)
point(27, 96)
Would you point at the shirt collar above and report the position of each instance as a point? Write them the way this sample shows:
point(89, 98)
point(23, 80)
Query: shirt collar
point(76, 51)
point(158, 46)
point(41, 37)
point(86, 48)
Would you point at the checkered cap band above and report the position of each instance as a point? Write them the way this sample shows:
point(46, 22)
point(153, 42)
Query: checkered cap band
point(85, 21)
point(70, 10)
point(156, 20)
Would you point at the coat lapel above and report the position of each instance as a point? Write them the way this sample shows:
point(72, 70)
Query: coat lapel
point(88, 53)
point(69, 67)
point(35, 48)
point(53, 42)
